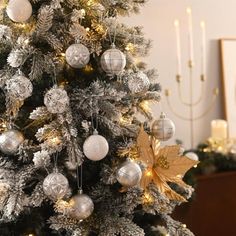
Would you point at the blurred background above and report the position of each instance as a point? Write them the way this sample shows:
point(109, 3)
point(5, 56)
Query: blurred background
point(212, 211)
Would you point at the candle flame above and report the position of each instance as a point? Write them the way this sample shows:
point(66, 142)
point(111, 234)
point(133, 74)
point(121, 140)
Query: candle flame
point(203, 24)
point(176, 23)
point(189, 10)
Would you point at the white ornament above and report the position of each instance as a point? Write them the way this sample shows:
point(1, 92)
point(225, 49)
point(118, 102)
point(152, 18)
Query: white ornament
point(56, 100)
point(129, 174)
point(77, 55)
point(193, 156)
point(82, 206)
point(10, 141)
point(55, 186)
point(19, 10)
point(138, 83)
point(163, 128)
point(113, 61)
point(19, 87)
point(95, 147)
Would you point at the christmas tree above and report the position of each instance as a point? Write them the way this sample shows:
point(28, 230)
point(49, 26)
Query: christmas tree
point(75, 159)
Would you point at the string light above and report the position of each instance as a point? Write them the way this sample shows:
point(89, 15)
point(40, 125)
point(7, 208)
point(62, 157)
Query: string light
point(55, 140)
point(145, 106)
point(149, 173)
point(130, 47)
point(147, 198)
point(87, 29)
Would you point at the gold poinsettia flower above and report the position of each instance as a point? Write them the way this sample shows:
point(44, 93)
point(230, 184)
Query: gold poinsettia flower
point(163, 165)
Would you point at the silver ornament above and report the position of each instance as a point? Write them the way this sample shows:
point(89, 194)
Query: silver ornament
point(113, 61)
point(19, 87)
point(19, 10)
point(163, 128)
point(129, 174)
point(56, 100)
point(55, 186)
point(138, 83)
point(77, 55)
point(193, 156)
point(82, 206)
point(10, 141)
point(95, 147)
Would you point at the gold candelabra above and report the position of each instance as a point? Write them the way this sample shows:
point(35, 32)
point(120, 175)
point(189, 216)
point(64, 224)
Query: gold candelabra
point(191, 104)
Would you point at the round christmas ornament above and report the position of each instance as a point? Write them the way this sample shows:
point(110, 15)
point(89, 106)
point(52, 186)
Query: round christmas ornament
point(113, 61)
point(77, 55)
point(95, 147)
point(19, 87)
point(163, 128)
point(55, 186)
point(129, 174)
point(10, 141)
point(56, 100)
point(82, 206)
point(19, 10)
point(193, 156)
point(138, 83)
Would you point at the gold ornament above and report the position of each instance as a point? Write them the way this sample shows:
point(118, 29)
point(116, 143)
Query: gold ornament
point(163, 165)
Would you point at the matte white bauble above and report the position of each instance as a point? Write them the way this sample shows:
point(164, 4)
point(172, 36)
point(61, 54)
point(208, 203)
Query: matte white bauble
point(163, 128)
point(19, 10)
point(193, 156)
point(55, 186)
point(82, 206)
point(10, 141)
point(95, 147)
point(77, 55)
point(129, 174)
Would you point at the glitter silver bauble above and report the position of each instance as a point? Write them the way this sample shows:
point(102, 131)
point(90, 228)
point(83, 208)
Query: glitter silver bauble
point(19, 10)
point(55, 186)
point(163, 128)
point(82, 206)
point(129, 174)
point(19, 87)
point(113, 61)
point(193, 156)
point(56, 100)
point(10, 141)
point(95, 147)
point(77, 55)
point(138, 83)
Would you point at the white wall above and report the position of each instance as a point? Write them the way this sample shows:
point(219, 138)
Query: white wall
point(157, 18)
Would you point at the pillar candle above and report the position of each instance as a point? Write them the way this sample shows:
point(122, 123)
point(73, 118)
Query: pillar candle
point(219, 129)
point(178, 48)
point(203, 49)
point(190, 34)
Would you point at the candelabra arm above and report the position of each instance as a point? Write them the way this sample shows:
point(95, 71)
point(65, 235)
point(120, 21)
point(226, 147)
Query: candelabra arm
point(188, 103)
point(174, 112)
point(213, 100)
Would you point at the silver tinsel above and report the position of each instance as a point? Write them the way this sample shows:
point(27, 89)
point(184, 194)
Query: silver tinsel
point(10, 141)
point(56, 100)
point(82, 206)
point(113, 61)
point(55, 186)
point(129, 174)
point(77, 55)
point(19, 87)
point(138, 83)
